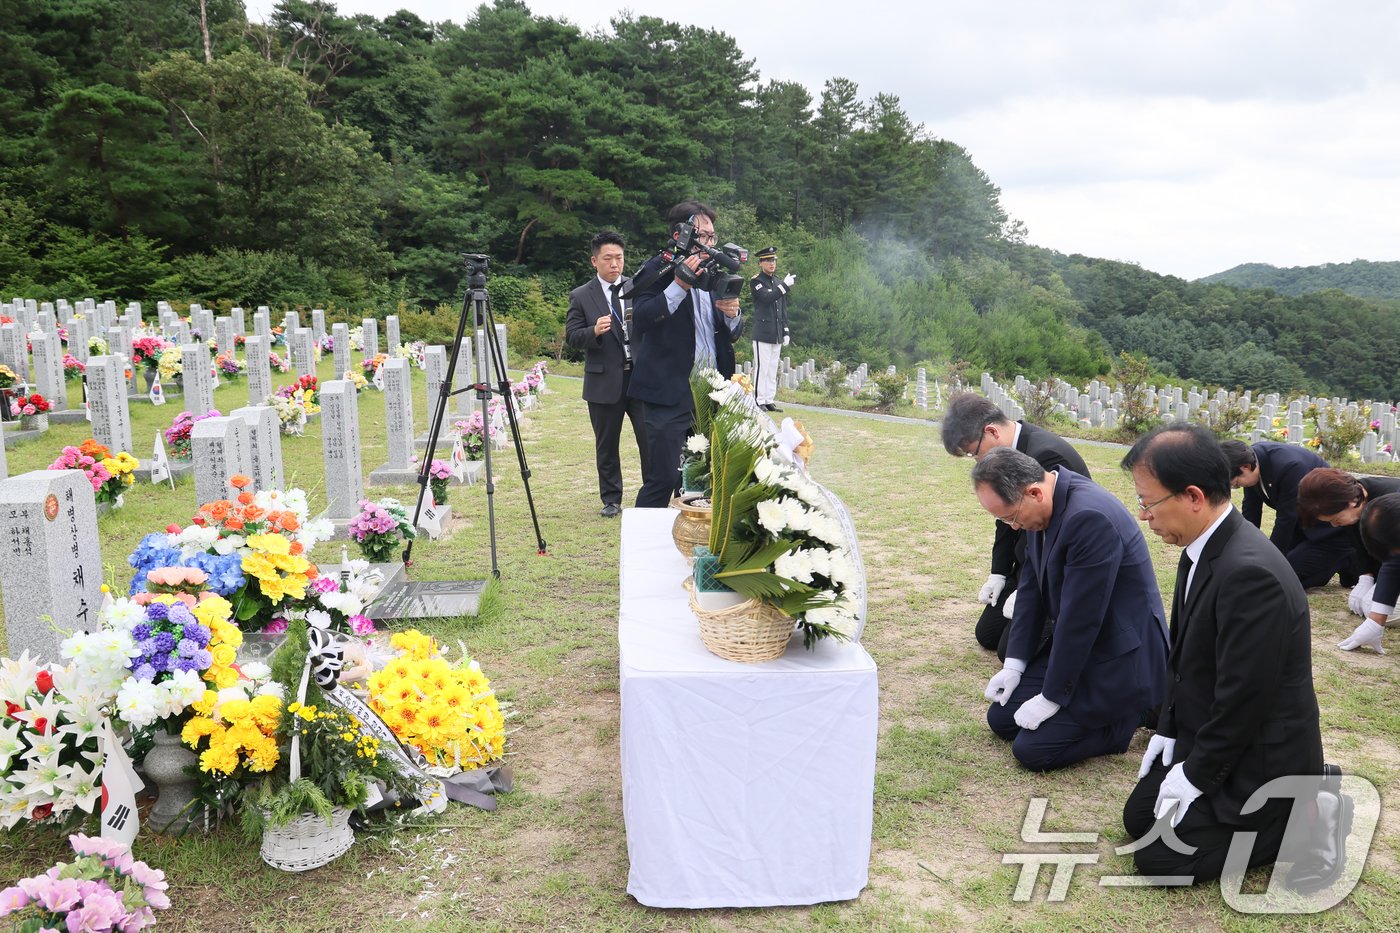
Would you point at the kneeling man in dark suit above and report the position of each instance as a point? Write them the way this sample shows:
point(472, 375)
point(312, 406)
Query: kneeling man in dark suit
point(1087, 583)
point(1240, 708)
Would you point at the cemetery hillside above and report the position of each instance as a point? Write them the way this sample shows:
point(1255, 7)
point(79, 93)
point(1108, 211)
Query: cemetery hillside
point(345, 162)
point(372, 557)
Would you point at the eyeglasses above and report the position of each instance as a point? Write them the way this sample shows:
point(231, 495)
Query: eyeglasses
point(1149, 506)
point(706, 237)
point(1015, 516)
point(978, 449)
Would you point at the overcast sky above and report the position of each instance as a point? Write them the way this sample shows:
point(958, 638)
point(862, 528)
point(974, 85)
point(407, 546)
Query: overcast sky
point(1184, 136)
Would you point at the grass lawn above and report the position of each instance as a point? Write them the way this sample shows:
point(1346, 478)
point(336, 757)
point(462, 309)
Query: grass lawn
point(949, 799)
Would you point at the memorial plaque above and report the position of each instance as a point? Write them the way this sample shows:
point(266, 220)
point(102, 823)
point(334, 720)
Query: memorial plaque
point(50, 562)
point(223, 329)
point(340, 445)
point(13, 352)
point(262, 326)
point(467, 368)
point(430, 599)
point(219, 449)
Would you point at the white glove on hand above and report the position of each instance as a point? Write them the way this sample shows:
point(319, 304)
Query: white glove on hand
point(1361, 595)
point(1176, 788)
point(1004, 681)
point(1367, 635)
point(786, 339)
point(1157, 745)
point(991, 590)
point(1009, 607)
point(789, 279)
point(1035, 711)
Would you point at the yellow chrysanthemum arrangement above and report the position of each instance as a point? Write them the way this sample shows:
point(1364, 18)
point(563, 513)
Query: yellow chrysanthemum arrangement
point(241, 733)
point(279, 566)
point(449, 711)
point(122, 467)
point(170, 363)
point(224, 640)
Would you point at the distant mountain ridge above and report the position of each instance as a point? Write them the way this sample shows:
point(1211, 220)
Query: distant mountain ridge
point(1362, 278)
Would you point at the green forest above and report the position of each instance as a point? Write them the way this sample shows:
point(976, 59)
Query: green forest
point(1359, 277)
point(173, 149)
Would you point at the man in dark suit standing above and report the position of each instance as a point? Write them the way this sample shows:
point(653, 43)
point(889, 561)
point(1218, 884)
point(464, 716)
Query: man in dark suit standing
point(973, 427)
point(1269, 473)
point(676, 328)
point(1088, 584)
point(597, 324)
point(1240, 708)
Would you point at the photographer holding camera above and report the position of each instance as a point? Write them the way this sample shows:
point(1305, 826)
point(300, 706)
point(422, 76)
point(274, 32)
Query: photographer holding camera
point(679, 324)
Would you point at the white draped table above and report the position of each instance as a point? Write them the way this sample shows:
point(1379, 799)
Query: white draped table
point(743, 785)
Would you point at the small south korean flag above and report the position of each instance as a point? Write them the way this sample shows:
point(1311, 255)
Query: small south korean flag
point(120, 820)
point(378, 379)
point(214, 376)
point(459, 460)
point(160, 464)
point(157, 395)
point(430, 520)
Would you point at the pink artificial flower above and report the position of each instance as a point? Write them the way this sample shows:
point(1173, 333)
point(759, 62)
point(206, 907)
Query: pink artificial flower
point(275, 627)
point(361, 624)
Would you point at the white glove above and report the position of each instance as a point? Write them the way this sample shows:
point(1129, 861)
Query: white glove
point(991, 590)
point(1008, 608)
point(786, 339)
point(1367, 635)
point(789, 279)
point(1035, 711)
point(1175, 789)
point(1004, 681)
point(1157, 745)
point(1361, 595)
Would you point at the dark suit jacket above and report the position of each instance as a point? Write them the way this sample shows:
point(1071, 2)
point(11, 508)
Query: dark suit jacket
point(604, 356)
point(1240, 699)
point(1387, 571)
point(1281, 468)
point(663, 343)
point(1050, 451)
point(770, 323)
point(1089, 572)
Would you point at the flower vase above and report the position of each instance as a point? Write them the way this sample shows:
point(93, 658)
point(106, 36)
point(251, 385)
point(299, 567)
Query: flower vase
point(439, 488)
point(34, 422)
point(692, 525)
point(149, 374)
point(170, 764)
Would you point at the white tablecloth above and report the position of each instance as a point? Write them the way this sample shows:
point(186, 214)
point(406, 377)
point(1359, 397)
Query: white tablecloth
point(743, 785)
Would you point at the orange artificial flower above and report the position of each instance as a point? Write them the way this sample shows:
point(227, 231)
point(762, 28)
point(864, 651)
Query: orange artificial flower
point(96, 451)
point(289, 521)
point(245, 498)
point(219, 510)
point(252, 513)
point(238, 481)
point(233, 524)
point(296, 548)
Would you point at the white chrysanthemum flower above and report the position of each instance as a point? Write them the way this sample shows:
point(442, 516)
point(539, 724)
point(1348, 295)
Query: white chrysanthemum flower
point(255, 670)
point(138, 703)
point(348, 603)
point(272, 688)
point(842, 572)
point(184, 687)
point(765, 472)
point(821, 561)
point(697, 443)
point(123, 614)
point(836, 618)
point(314, 532)
point(771, 517)
point(795, 515)
point(226, 546)
point(713, 377)
point(319, 618)
point(195, 539)
point(795, 565)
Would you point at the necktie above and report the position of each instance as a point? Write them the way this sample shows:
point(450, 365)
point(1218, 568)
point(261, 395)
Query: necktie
point(1183, 573)
point(621, 319)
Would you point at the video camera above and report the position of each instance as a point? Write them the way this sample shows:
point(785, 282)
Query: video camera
point(716, 272)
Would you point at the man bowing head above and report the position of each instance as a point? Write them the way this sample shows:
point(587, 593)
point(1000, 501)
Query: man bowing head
point(1086, 654)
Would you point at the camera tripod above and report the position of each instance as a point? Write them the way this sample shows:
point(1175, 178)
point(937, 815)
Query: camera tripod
point(476, 307)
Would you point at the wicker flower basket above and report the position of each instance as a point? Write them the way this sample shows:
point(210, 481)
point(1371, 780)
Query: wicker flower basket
point(751, 631)
point(308, 841)
point(692, 525)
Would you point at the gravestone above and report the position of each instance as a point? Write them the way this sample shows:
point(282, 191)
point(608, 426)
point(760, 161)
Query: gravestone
point(50, 562)
point(303, 356)
point(435, 371)
point(219, 448)
point(199, 387)
point(223, 329)
point(48, 374)
point(290, 324)
point(4, 467)
point(318, 324)
point(340, 447)
point(183, 335)
point(391, 335)
point(398, 470)
point(119, 344)
point(111, 417)
point(259, 370)
point(505, 348)
point(240, 324)
point(265, 443)
point(340, 338)
point(262, 326)
point(369, 337)
point(13, 353)
point(79, 330)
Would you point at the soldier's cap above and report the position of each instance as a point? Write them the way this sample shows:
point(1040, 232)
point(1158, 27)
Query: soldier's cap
point(768, 252)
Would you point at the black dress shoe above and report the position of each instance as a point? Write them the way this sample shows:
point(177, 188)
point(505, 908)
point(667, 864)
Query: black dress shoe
point(1326, 856)
point(611, 510)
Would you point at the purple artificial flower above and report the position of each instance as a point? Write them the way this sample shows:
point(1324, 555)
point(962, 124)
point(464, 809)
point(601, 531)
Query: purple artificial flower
point(198, 633)
point(180, 614)
point(140, 632)
point(160, 663)
point(164, 642)
point(144, 672)
point(187, 664)
point(146, 646)
point(187, 647)
point(157, 611)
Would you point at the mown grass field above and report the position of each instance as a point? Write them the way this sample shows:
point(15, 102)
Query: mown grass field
point(949, 800)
